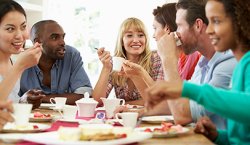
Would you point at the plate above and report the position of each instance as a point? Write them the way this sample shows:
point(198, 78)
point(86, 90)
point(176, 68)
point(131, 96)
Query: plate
point(52, 139)
point(47, 106)
point(11, 137)
point(40, 119)
point(12, 128)
point(163, 134)
point(157, 119)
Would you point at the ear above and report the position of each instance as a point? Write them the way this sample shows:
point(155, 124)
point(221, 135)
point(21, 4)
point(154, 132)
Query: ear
point(198, 25)
point(166, 29)
point(37, 40)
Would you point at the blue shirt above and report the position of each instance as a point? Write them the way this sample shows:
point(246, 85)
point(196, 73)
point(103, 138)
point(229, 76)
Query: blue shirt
point(217, 72)
point(67, 76)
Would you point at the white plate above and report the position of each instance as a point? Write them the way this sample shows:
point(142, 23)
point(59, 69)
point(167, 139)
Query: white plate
point(11, 128)
point(11, 137)
point(52, 139)
point(47, 106)
point(163, 134)
point(157, 119)
point(72, 120)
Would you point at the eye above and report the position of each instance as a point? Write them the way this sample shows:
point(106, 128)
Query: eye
point(10, 29)
point(23, 27)
point(216, 21)
point(129, 35)
point(141, 35)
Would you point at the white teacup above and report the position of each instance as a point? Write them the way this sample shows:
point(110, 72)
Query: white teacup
point(129, 119)
point(110, 105)
point(117, 63)
point(22, 113)
point(69, 112)
point(58, 101)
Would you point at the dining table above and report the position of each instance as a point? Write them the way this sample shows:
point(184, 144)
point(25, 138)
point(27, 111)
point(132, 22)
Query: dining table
point(189, 138)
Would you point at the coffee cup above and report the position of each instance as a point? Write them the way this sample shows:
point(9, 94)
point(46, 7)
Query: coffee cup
point(129, 119)
point(117, 63)
point(58, 101)
point(22, 113)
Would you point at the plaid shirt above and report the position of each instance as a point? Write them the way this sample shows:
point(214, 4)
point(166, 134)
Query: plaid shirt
point(128, 95)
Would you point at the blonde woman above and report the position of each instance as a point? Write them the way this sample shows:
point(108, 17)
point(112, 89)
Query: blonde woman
point(141, 68)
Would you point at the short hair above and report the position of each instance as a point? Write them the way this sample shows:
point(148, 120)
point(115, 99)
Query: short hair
point(7, 6)
point(38, 28)
point(165, 15)
point(195, 9)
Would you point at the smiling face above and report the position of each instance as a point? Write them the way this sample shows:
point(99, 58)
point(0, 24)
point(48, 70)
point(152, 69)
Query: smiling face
point(187, 33)
point(52, 38)
point(220, 28)
point(13, 32)
point(134, 42)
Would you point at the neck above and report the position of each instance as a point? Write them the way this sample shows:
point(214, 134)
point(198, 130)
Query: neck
point(205, 47)
point(133, 58)
point(46, 63)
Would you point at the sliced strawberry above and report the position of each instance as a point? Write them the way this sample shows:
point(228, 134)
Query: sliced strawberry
point(35, 127)
point(148, 130)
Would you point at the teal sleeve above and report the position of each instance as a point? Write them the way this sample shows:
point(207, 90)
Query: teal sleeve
point(229, 104)
point(222, 138)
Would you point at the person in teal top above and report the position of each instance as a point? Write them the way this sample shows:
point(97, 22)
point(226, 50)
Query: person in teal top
point(228, 29)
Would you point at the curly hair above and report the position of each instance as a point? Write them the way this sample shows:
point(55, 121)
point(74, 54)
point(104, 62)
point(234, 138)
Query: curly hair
point(242, 10)
point(238, 11)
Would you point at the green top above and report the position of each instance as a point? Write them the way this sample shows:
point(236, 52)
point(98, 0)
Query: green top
point(233, 105)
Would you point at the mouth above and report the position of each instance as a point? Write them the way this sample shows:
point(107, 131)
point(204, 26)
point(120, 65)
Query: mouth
point(214, 41)
point(61, 51)
point(136, 46)
point(18, 45)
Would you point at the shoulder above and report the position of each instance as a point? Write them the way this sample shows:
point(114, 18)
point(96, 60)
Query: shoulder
point(154, 55)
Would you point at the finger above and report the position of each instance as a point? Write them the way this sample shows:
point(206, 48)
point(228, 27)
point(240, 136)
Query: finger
point(100, 51)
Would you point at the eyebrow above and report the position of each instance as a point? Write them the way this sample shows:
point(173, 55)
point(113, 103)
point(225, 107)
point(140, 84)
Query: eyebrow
point(14, 25)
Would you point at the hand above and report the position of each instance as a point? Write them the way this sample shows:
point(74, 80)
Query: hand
point(162, 90)
point(131, 69)
point(29, 57)
point(105, 58)
point(6, 109)
point(206, 127)
point(166, 47)
point(35, 97)
point(121, 108)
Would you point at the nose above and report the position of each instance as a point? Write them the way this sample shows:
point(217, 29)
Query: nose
point(209, 29)
point(20, 34)
point(62, 42)
point(136, 39)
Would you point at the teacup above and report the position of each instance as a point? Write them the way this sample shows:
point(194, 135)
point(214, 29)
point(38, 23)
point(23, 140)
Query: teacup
point(110, 105)
point(69, 112)
point(22, 113)
point(129, 119)
point(58, 101)
point(117, 63)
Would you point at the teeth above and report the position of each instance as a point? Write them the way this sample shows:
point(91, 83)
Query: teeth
point(214, 41)
point(18, 43)
point(136, 46)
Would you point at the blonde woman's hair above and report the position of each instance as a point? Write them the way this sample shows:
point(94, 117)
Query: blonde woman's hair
point(145, 57)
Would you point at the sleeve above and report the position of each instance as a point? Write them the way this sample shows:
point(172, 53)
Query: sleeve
point(79, 79)
point(109, 87)
point(197, 111)
point(222, 73)
point(222, 138)
point(211, 98)
point(157, 68)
